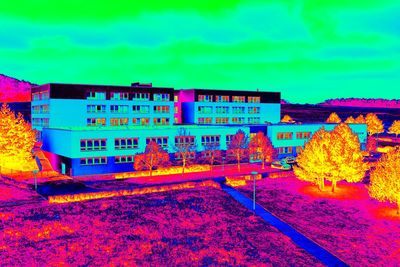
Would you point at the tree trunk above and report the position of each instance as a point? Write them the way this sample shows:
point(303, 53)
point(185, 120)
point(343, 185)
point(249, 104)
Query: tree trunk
point(398, 206)
point(263, 163)
point(333, 186)
point(151, 170)
point(321, 184)
point(238, 162)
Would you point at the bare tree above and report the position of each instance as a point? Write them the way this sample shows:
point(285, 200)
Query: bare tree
point(184, 147)
point(238, 147)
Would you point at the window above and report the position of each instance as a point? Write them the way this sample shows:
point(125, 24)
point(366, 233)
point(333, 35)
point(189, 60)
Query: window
point(222, 110)
point(96, 122)
point(282, 136)
point(238, 120)
point(93, 144)
point(140, 108)
point(253, 120)
point(210, 140)
point(204, 120)
point(93, 161)
point(285, 150)
point(141, 96)
point(184, 140)
point(239, 110)
point(161, 109)
point(40, 95)
point(119, 96)
point(96, 95)
point(190, 155)
point(205, 98)
point(140, 121)
point(239, 99)
point(161, 97)
point(96, 108)
point(303, 135)
point(205, 109)
point(175, 110)
point(253, 99)
point(253, 110)
point(35, 109)
point(119, 121)
point(229, 139)
point(45, 122)
point(119, 109)
point(221, 120)
point(161, 141)
point(161, 121)
point(126, 143)
point(222, 98)
point(123, 159)
point(299, 149)
point(175, 98)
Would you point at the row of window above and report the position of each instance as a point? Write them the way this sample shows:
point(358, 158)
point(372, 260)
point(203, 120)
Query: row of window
point(125, 121)
point(40, 122)
point(235, 120)
point(101, 95)
point(289, 150)
point(125, 109)
point(225, 110)
point(289, 135)
point(226, 98)
point(40, 95)
point(40, 109)
point(133, 142)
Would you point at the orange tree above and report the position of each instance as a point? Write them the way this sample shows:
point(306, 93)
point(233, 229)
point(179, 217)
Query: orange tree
point(153, 157)
point(360, 119)
point(350, 120)
point(212, 153)
point(385, 178)
point(395, 128)
point(287, 118)
point(334, 156)
point(238, 147)
point(260, 147)
point(16, 140)
point(184, 147)
point(333, 118)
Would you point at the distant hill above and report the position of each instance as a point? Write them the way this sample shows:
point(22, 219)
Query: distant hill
point(14, 90)
point(362, 102)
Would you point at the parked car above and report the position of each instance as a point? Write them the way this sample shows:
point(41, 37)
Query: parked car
point(289, 160)
point(281, 165)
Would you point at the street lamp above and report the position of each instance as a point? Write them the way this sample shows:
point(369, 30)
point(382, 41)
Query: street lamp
point(254, 174)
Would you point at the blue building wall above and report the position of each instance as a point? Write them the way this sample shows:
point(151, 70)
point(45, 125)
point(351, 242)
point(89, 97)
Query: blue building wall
point(273, 130)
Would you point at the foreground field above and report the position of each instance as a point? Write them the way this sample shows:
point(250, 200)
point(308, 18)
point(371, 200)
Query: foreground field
point(200, 227)
point(348, 223)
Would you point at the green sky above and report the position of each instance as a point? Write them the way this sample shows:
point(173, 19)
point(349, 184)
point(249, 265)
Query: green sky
point(309, 50)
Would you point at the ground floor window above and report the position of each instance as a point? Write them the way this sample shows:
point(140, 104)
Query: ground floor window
point(93, 161)
point(124, 159)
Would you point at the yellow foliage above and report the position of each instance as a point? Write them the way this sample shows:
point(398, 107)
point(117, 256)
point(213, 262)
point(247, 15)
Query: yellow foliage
point(164, 171)
point(374, 124)
point(16, 140)
point(350, 120)
point(395, 128)
point(360, 119)
point(334, 118)
point(385, 178)
point(287, 118)
point(334, 156)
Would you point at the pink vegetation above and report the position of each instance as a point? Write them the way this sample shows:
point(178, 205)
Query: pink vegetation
point(13, 90)
point(349, 224)
point(199, 226)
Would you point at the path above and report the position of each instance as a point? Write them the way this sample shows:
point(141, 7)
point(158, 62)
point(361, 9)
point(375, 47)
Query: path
point(317, 251)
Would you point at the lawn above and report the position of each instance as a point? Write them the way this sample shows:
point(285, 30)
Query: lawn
point(197, 227)
point(359, 230)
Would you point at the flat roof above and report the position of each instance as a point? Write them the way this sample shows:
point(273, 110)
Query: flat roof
point(155, 128)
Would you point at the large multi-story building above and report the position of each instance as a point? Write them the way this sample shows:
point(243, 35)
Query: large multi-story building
point(93, 129)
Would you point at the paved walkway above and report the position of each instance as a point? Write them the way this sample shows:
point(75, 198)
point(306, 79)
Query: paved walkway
point(317, 251)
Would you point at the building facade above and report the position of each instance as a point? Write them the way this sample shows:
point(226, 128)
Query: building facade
point(98, 129)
